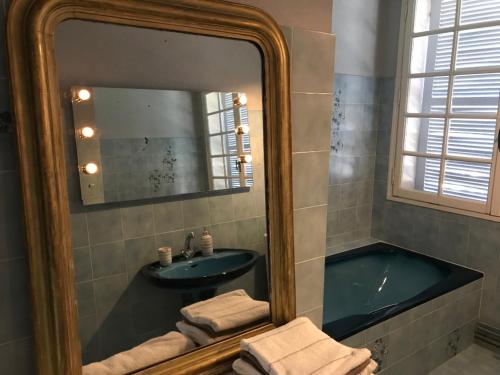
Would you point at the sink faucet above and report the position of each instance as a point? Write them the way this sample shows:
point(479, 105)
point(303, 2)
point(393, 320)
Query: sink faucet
point(188, 251)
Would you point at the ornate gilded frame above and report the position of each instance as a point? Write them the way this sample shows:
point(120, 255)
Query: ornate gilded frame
point(30, 30)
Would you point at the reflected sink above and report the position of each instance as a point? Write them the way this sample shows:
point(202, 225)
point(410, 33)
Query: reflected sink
point(200, 271)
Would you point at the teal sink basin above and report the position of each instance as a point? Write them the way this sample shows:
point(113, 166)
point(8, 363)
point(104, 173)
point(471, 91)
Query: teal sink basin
point(223, 266)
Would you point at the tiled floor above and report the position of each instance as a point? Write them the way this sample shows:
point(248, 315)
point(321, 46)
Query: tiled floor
point(475, 360)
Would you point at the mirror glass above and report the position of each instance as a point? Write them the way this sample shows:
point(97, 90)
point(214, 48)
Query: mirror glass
point(164, 143)
point(141, 143)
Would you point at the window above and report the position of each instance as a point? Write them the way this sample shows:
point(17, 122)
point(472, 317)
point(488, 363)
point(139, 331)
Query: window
point(446, 119)
point(228, 143)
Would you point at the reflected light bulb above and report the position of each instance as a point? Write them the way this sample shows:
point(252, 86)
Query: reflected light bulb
point(84, 94)
point(247, 158)
point(90, 168)
point(87, 132)
point(243, 99)
point(242, 129)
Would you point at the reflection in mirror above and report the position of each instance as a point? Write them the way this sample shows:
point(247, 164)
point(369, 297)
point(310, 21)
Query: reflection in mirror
point(135, 143)
point(165, 163)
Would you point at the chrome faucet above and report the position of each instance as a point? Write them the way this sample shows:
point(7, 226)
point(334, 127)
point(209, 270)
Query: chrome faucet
point(188, 251)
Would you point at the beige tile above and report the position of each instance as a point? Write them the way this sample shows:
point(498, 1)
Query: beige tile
point(224, 235)
point(137, 221)
point(316, 316)
point(247, 233)
point(311, 15)
point(311, 121)
point(312, 62)
point(309, 232)
point(221, 209)
point(196, 212)
point(288, 34)
point(175, 240)
point(260, 202)
point(310, 179)
point(244, 205)
point(309, 280)
point(168, 216)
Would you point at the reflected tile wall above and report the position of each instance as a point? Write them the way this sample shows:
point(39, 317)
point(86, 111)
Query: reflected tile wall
point(118, 308)
point(152, 167)
point(460, 239)
point(352, 161)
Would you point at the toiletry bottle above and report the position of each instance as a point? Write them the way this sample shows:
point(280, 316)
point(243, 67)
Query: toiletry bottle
point(207, 244)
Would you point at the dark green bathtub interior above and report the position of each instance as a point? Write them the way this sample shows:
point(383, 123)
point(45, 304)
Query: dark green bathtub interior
point(370, 282)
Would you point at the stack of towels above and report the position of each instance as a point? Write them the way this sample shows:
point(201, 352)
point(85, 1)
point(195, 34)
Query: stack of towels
point(222, 316)
point(148, 353)
point(299, 348)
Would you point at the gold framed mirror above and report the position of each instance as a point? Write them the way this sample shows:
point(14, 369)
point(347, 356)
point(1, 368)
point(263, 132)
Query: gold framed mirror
point(38, 99)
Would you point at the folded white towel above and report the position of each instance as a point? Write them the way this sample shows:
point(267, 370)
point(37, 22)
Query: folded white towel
point(241, 367)
point(145, 354)
point(299, 348)
point(198, 335)
point(226, 312)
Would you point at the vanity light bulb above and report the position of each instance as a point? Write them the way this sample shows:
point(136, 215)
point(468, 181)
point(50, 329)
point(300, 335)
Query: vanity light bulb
point(242, 99)
point(84, 94)
point(247, 158)
point(87, 132)
point(90, 168)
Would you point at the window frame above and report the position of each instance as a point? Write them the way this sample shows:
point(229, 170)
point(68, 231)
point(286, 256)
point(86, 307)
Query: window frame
point(489, 210)
point(242, 177)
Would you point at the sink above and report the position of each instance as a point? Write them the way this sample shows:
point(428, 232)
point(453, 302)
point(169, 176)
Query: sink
point(202, 271)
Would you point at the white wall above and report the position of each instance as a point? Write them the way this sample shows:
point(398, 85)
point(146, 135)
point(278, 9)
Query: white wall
point(367, 32)
point(176, 61)
point(138, 113)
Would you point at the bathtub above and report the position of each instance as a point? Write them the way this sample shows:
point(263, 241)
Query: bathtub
point(400, 303)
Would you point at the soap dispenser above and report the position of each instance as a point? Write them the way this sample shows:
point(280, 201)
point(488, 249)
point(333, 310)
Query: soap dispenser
point(207, 244)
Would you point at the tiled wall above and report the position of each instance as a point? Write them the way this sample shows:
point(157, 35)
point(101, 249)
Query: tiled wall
point(138, 168)
point(15, 315)
point(460, 239)
point(118, 307)
point(352, 161)
point(312, 48)
point(312, 56)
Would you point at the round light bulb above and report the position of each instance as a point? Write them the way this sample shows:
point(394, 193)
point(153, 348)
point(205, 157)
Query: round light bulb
point(90, 168)
point(84, 94)
point(243, 99)
point(247, 158)
point(87, 132)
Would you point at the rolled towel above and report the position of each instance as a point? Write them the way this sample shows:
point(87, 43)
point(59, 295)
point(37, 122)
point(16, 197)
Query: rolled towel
point(299, 348)
point(198, 335)
point(148, 353)
point(226, 313)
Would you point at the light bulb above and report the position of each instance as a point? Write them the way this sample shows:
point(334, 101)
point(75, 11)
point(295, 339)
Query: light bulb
point(242, 99)
point(242, 129)
point(245, 158)
point(84, 94)
point(87, 132)
point(90, 168)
